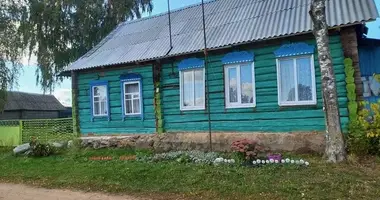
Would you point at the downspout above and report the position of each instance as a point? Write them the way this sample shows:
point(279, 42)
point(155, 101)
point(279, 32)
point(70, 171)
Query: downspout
point(206, 78)
point(157, 77)
point(170, 37)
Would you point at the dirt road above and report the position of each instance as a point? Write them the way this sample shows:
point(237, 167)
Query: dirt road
point(23, 192)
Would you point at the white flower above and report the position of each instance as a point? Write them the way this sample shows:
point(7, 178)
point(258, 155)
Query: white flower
point(302, 162)
point(307, 163)
point(219, 160)
point(297, 162)
point(271, 161)
point(287, 160)
point(232, 161)
point(282, 161)
point(254, 162)
point(267, 161)
point(292, 161)
point(276, 161)
point(263, 161)
point(258, 161)
point(225, 160)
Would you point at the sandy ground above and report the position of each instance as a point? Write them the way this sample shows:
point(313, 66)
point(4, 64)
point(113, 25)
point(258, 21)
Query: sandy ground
point(23, 192)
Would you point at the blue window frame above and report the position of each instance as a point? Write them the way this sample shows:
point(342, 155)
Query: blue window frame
point(239, 72)
point(99, 99)
point(192, 84)
point(131, 96)
point(296, 75)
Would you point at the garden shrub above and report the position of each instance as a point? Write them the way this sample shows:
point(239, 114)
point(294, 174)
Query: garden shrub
point(179, 156)
point(246, 149)
point(364, 133)
point(38, 149)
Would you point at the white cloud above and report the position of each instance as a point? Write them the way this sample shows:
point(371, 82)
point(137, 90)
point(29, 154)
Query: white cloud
point(64, 96)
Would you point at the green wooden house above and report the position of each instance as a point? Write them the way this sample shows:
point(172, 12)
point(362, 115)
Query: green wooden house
point(261, 74)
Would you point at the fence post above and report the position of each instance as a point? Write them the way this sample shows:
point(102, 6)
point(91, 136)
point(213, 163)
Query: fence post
point(75, 113)
point(20, 132)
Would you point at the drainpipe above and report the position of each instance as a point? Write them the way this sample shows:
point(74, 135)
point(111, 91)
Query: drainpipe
point(206, 68)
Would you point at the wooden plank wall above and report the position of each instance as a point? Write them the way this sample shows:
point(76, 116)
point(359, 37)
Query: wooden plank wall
point(267, 116)
point(116, 125)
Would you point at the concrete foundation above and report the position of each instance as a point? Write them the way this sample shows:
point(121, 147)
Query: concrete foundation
point(299, 142)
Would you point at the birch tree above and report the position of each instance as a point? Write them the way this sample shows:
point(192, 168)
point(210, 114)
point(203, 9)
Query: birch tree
point(335, 146)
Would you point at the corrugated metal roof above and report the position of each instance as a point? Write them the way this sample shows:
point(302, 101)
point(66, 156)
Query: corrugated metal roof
point(227, 22)
point(29, 101)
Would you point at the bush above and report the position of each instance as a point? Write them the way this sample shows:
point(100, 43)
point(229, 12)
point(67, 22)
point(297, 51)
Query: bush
point(40, 150)
point(364, 133)
point(179, 156)
point(246, 149)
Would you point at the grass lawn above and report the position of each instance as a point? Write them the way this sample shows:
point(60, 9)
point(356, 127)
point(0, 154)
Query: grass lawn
point(189, 181)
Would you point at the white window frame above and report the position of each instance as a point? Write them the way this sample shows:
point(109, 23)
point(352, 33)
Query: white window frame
point(313, 84)
point(124, 98)
point(227, 91)
point(100, 105)
point(185, 108)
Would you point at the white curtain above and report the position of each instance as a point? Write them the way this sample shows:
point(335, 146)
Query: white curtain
point(287, 82)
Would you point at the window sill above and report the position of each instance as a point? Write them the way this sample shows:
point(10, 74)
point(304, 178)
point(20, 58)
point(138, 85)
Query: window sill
point(241, 106)
point(193, 109)
point(100, 116)
point(298, 104)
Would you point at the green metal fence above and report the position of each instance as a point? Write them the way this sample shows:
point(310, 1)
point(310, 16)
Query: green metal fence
point(10, 133)
point(13, 133)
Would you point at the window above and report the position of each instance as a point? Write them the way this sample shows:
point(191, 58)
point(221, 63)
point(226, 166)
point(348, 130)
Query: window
point(296, 81)
point(99, 97)
point(240, 85)
point(192, 84)
point(132, 98)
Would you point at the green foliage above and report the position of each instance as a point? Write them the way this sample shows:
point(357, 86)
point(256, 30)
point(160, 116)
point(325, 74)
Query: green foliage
point(170, 180)
point(180, 156)
point(38, 149)
point(364, 133)
point(351, 89)
point(246, 149)
point(60, 31)
point(158, 109)
point(10, 44)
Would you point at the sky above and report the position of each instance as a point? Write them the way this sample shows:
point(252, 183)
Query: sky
point(27, 79)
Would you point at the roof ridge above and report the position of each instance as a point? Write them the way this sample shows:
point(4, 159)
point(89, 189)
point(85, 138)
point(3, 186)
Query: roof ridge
point(165, 13)
point(30, 93)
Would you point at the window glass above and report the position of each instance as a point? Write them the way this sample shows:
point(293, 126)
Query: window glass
point(192, 89)
point(232, 79)
point(304, 79)
point(188, 88)
point(199, 88)
point(296, 81)
point(132, 98)
point(287, 80)
point(246, 84)
point(100, 106)
point(239, 82)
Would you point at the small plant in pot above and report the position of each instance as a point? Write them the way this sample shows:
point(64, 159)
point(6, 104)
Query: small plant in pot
point(274, 156)
point(247, 150)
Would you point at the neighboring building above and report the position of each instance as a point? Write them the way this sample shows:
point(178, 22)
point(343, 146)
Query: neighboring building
point(22, 105)
point(135, 82)
point(369, 53)
point(67, 113)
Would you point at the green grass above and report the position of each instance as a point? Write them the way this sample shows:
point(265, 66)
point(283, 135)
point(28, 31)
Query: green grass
point(74, 170)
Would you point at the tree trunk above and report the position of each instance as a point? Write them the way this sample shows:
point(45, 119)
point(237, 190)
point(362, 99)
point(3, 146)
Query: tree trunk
point(335, 146)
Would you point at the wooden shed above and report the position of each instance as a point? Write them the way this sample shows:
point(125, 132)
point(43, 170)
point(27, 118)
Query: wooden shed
point(22, 105)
